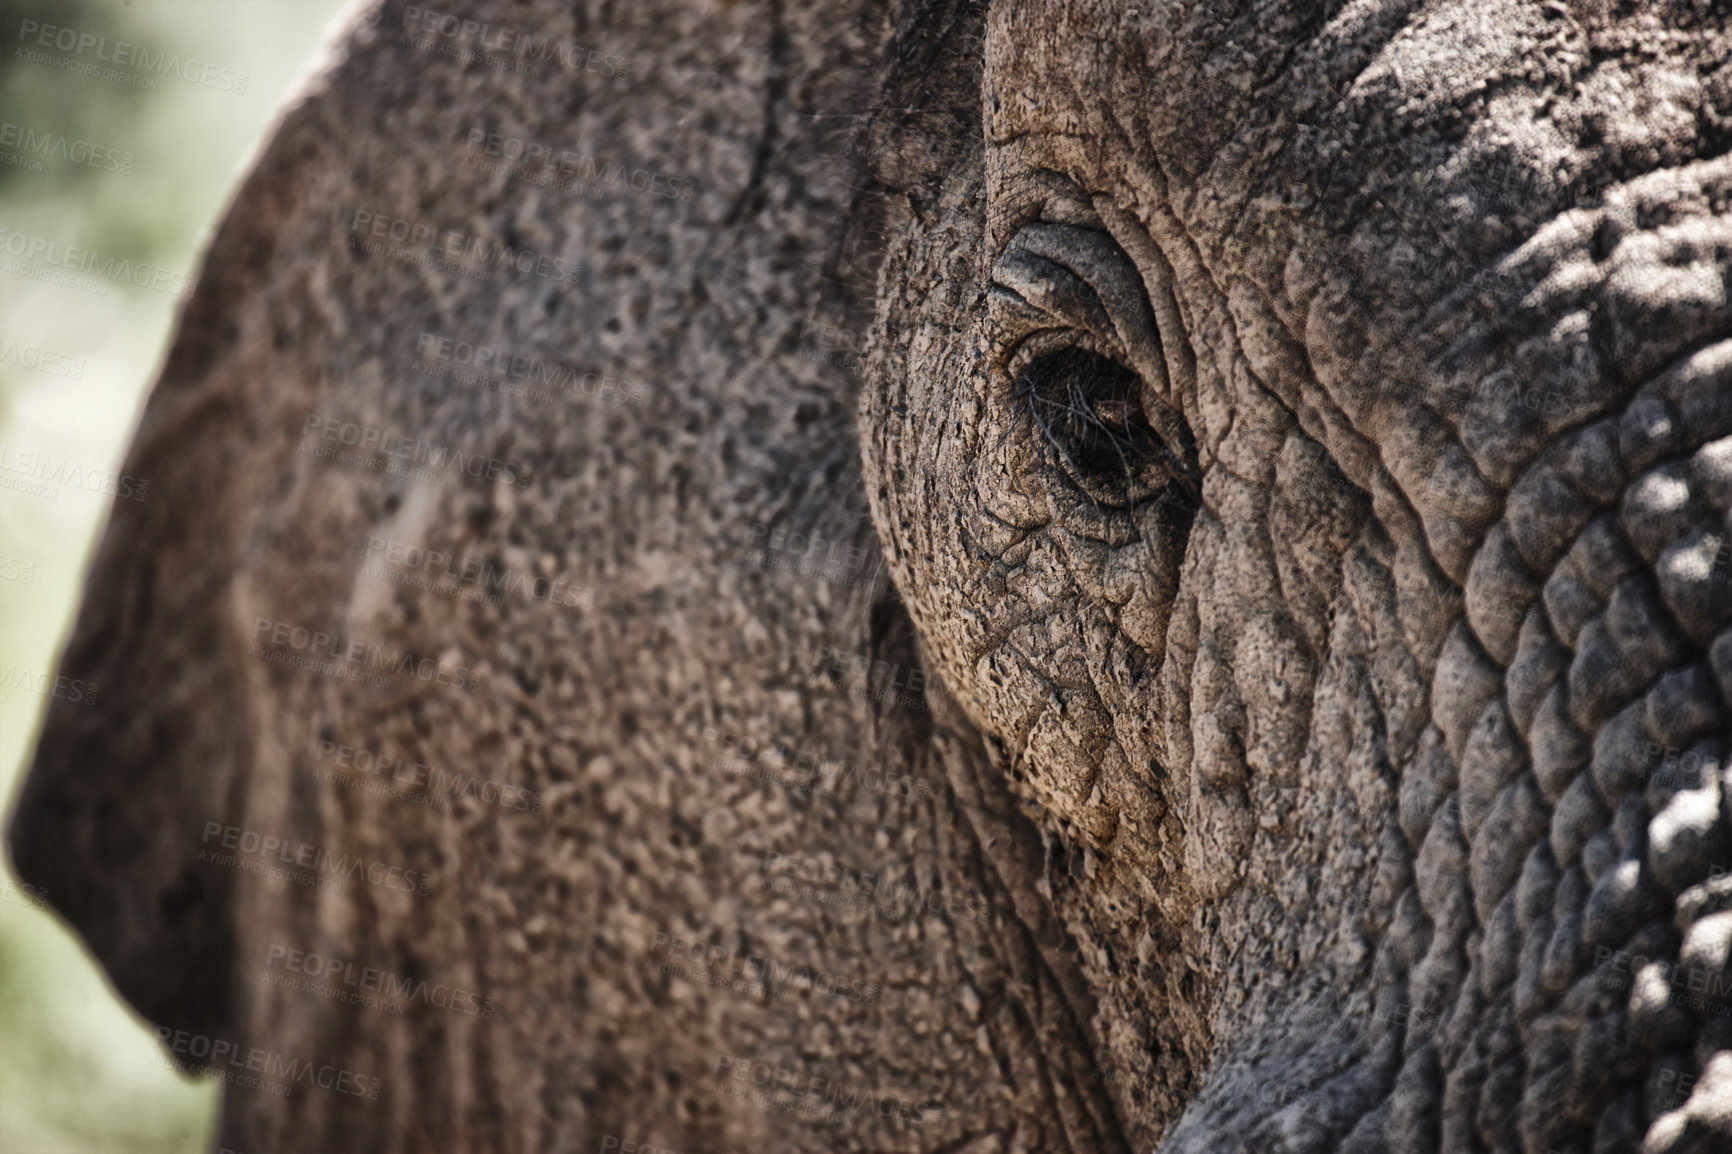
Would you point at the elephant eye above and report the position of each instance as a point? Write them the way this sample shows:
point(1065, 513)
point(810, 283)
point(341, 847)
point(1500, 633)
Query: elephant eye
point(1089, 409)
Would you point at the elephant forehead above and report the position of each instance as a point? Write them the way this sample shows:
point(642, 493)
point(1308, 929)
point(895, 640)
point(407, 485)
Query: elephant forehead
point(1437, 239)
point(1225, 96)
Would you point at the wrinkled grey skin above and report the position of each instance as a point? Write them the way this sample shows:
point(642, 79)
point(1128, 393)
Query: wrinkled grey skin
point(1374, 801)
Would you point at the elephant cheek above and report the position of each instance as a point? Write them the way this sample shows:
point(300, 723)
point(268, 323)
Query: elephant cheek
point(1215, 855)
point(1067, 776)
point(1143, 583)
point(1220, 822)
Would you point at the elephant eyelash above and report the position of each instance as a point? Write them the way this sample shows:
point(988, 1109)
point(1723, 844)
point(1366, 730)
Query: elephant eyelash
point(1089, 409)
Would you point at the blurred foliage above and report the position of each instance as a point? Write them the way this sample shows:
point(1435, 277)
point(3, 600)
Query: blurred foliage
point(80, 1073)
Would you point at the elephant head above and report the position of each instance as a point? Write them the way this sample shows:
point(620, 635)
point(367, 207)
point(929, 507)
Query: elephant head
point(1320, 522)
point(1298, 438)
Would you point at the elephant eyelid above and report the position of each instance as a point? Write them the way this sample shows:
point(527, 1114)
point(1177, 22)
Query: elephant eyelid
point(1078, 354)
point(1033, 288)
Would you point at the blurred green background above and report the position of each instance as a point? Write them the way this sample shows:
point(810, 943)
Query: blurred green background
point(79, 1072)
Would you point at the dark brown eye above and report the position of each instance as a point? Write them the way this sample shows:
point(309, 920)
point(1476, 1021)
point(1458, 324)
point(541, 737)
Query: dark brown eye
point(1089, 409)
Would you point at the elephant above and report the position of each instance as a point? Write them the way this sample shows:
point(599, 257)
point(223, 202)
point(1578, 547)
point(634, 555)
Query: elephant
point(935, 575)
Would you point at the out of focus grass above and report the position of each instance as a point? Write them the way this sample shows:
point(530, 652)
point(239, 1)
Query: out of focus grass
point(79, 1072)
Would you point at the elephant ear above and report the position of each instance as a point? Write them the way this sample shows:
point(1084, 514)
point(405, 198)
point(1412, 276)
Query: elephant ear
point(504, 617)
point(162, 733)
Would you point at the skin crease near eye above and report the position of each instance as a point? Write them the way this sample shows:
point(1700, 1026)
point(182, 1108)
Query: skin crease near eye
point(975, 576)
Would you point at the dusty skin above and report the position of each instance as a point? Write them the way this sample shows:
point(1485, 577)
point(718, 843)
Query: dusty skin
point(1124, 577)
